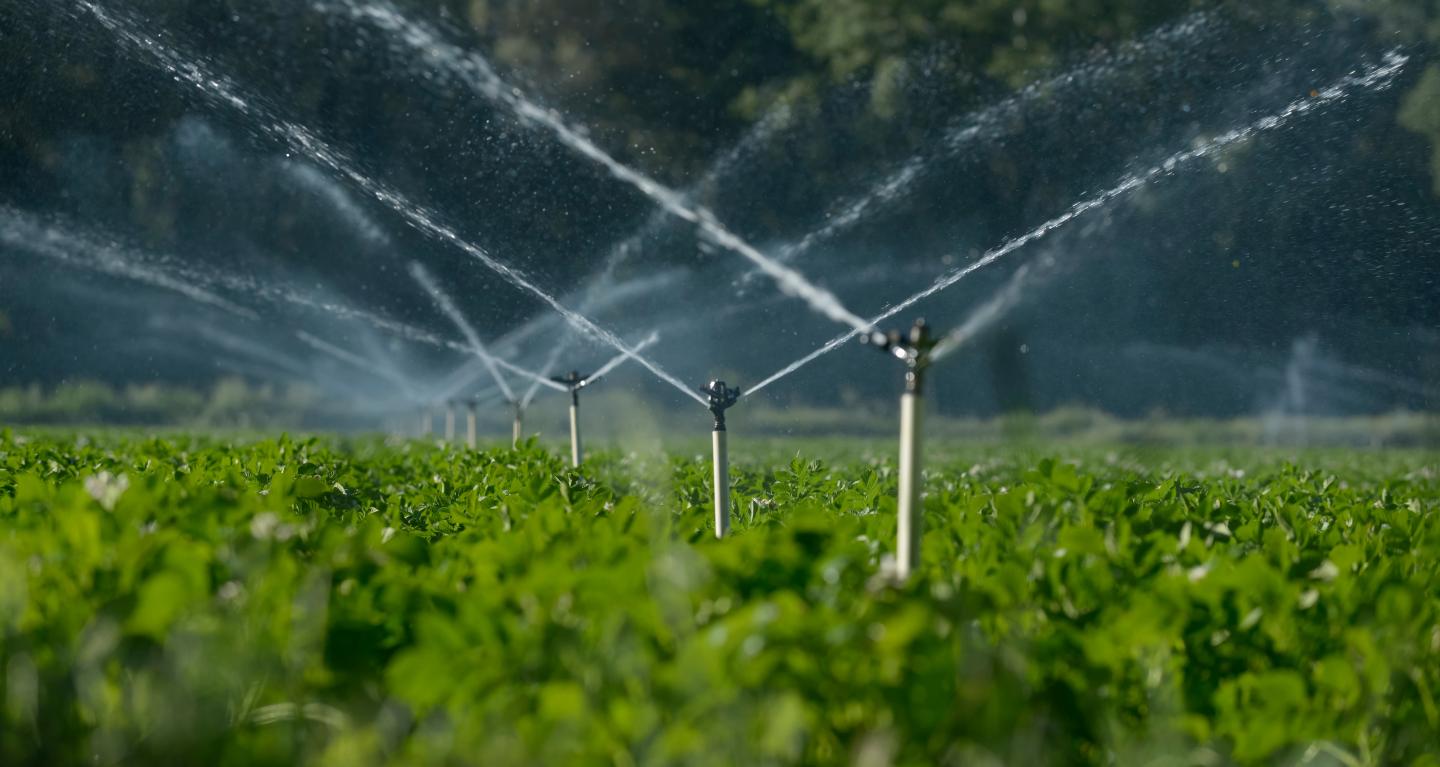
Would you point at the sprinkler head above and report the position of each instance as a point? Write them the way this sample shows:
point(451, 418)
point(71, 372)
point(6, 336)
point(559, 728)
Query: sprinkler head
point(722, 398)
point(573, 380)
point(912, 348)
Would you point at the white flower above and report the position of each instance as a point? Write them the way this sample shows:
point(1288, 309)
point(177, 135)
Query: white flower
point(263, 525)
point(106, 488)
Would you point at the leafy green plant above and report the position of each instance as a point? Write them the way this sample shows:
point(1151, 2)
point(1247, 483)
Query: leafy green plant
point(341, 602)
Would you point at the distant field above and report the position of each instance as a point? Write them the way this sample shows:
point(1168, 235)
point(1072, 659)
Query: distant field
point(350, 602)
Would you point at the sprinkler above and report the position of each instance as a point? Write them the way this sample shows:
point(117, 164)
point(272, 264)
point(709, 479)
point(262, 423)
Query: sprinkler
point(449, 422)
point(427, 422)
point(721, 398)
point(574, 382)
point(518, 430)
point(471, 436)
point(914, 350)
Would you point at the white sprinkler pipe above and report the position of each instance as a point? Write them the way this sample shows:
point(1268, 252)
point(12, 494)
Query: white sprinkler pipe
point(471, 432)
point(575, 452)
point(449, 423)
point(722, 481)
point(913, 349)
point(720, 398)
point(907, 544)
point(518, 429)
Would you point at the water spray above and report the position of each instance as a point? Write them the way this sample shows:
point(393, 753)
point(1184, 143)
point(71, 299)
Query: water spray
point(196, 72)
point(914, 350)
point(1374, 77)
point(720, 398)
point(574, 382)
point(472, 69)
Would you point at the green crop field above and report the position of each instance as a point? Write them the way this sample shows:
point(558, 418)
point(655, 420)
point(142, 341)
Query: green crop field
point(197, 601)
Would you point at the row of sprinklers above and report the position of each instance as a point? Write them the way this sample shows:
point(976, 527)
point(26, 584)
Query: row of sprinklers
point(916, 348)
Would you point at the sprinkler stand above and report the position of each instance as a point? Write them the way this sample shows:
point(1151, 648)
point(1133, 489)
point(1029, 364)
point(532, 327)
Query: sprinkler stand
point(914, 350)
point(722, 398)
point(471, 435)
point(449, 422)
point(575, 382)
point(575, 455)
point(517, 429)
point(427, 422)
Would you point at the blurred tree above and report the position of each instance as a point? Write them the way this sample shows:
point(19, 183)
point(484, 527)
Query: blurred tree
point(1005, 40)
point(1411, 21)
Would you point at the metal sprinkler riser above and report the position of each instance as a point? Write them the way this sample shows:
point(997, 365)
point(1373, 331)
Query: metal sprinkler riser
point(518, 429)
point(472, 436)
point(721, 398)
point(574, 382)
point(913, 349)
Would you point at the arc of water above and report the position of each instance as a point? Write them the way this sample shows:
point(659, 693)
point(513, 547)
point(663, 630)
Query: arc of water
point(535, 377)
point(448, 307)
point(618, 359)
point(1349, 372)
point(62, 242)
point(767, 126)
point(461, 378)
point(259, 368)
point(30, 234)
point(1166, 43)
point(240, 345)
point(590, 301)
point(473, 70)
point(763, 129)
point(192, 71)
point(359, 363)
point(544, 379)
point(551, 360)
point(162, 272)
point(1370, 376)
point(601, 290)
point(983, 317)
point(339, 200)
point(255, 370)
point(1249, 373)
point(1374, 77)
point(758, 134)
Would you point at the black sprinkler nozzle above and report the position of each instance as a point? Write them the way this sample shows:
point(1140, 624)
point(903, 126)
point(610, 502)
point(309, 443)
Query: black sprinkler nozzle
point(912, 348)
point(722, 398)
point(574, 382)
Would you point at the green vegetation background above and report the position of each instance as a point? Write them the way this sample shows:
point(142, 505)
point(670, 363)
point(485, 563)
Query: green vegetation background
point(652, 75)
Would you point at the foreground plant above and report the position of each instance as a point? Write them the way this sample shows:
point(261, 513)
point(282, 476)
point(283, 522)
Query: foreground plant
point(191, 601)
